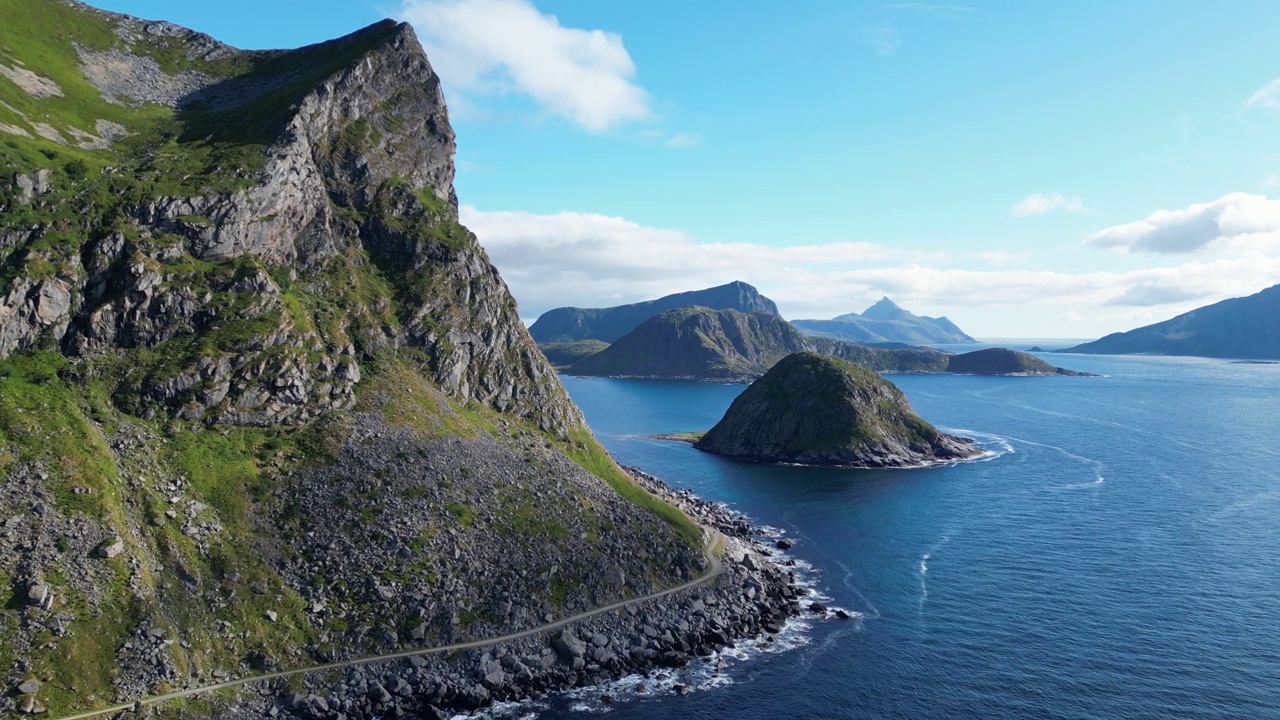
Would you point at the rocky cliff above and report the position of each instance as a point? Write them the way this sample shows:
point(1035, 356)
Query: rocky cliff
point(816, 410)
point(1246, 328)
point(569, 324)
point(265, 402)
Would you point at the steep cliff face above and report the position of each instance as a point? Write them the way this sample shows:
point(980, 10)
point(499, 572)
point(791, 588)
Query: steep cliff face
point(264, 400)
point(569, 324)
point(352, 182)
point(817, 410)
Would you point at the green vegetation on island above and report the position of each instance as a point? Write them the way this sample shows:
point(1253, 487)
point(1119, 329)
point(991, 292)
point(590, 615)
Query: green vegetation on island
point(816, 410)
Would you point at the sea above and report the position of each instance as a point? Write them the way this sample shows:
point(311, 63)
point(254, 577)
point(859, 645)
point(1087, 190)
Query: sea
point(1117, 555)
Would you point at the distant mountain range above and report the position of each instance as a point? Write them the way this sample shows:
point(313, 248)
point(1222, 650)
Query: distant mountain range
point(705, 344)
point(886, 322)
point(1247, 328)
point(570, 324)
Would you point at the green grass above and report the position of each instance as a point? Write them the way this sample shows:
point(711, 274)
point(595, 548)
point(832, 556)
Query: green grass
point(583, 449)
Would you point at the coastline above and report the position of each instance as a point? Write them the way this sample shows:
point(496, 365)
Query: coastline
point(754, 598)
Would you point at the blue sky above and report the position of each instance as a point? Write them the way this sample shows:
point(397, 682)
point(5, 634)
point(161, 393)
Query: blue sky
point(1028, 169)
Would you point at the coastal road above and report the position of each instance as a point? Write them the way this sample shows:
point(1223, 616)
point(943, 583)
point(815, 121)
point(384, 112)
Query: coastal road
point(716, 569)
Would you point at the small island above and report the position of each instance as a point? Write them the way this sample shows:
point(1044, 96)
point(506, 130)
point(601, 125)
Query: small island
point(810, 409)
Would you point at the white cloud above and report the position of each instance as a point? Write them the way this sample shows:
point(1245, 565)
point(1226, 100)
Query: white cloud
point(1234, 222)
point(591, 260)
point(494, 47)
point(1267, 96)
point(1040, 203)
point(683, 140)
point(1001, 258)
point(1148, 294)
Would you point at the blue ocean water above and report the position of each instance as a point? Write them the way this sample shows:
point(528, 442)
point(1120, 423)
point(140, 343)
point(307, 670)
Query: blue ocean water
point(1119, 559)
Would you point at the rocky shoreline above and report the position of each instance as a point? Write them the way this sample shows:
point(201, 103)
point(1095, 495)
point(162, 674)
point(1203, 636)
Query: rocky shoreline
point(755, 595)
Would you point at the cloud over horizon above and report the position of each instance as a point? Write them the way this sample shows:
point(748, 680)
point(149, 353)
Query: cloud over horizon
point(592, 260)
point(496, 47)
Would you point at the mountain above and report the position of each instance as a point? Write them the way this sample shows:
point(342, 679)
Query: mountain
point(1001, 361)
point(265, 404)
point(727, 345)
point(564, 354)
point(701, 343)
point(886, 322)
point(816, 410)
point(1247, 328)
point(568, 324)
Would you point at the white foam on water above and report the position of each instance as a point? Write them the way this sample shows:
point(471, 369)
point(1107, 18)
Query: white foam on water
point(520, 710)
point(924, 570)
point(1095, 465)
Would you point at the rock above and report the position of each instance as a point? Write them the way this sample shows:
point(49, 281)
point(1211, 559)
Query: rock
point(785, 544)
point(110, 547)
point(272, 615)
point(39, 595)
point(29, 687)
point(841, 614)
point(817, 607)
point(568, 646)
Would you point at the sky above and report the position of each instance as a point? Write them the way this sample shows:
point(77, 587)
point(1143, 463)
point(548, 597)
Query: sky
point(1036, 169)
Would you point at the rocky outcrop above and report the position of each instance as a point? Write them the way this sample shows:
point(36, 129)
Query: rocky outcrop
point(815, 410)
point(569, 324)
point(359, 174)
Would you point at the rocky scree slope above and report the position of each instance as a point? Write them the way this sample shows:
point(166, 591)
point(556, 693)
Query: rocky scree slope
point(264, 402)
point(569, 324)
point(816, 410)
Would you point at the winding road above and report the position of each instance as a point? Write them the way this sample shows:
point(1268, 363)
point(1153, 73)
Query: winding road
point(716, 569)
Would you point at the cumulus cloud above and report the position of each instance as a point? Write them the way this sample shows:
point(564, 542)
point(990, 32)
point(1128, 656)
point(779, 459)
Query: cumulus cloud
point(1267, 96)
point(495, 47)
point(1237, 221)
point(592, 260)
point(1040, 203)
